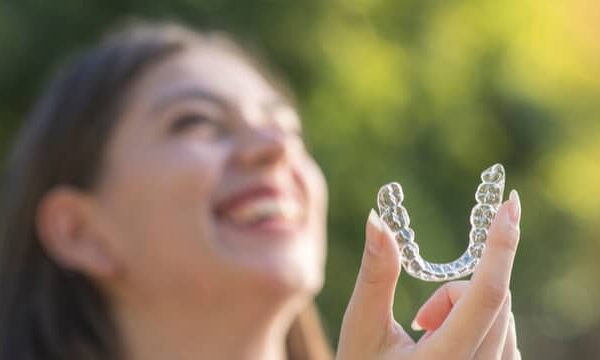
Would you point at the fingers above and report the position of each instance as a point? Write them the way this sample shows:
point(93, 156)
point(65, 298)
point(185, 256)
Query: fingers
point(376, 283)
point(476, 311)
point(511, 351)
point(492, 346)
point(432, 314)
point(501, 337)
point(369, 318)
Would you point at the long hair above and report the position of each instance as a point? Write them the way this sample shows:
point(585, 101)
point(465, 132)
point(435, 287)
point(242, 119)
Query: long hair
point(48, 312)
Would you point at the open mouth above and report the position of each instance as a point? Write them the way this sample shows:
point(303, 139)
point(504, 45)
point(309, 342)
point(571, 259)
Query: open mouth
point(261, 208)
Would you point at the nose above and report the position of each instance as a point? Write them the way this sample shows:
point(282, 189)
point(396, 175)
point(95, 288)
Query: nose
point(261, 146)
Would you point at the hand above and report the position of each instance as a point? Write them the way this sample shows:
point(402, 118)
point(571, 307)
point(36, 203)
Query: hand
point(465, 320)
point(501, 340)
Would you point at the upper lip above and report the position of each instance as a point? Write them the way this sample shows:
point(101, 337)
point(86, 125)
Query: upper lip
point(249, 193)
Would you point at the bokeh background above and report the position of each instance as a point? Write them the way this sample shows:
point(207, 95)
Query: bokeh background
point(427, 93)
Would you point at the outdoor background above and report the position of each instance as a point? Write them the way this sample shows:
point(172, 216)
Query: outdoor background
point(427, 93)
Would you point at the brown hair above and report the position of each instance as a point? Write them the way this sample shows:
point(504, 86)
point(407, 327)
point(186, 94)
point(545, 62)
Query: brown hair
point(46, 311)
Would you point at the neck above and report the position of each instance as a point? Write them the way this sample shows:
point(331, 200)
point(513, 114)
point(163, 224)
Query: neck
point(245, 328)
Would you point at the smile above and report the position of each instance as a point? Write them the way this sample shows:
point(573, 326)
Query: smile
point(262, 208)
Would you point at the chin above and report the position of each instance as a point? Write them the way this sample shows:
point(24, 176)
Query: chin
point(285, 276)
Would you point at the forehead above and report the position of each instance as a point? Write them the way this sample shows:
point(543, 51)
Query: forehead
point(215, 70)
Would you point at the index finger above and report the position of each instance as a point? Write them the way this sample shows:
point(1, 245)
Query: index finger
point(474, 314)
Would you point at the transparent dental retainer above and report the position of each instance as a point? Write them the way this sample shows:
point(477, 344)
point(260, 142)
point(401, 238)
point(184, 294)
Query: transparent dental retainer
point(489, 196)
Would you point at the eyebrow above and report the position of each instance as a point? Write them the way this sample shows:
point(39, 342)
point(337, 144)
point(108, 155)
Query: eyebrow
point(188, 94)
point(196, 93)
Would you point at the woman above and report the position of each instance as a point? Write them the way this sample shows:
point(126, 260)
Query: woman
point(161, 205)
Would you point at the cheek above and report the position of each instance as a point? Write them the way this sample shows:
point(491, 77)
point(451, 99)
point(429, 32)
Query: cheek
point(318, 195)
point(161, 201)
point(312, 249)
point(316, 190)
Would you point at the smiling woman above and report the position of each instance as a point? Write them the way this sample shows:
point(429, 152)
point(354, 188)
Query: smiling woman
point(161, 204)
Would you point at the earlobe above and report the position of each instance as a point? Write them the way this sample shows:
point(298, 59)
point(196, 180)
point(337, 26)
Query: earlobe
point(67, 232)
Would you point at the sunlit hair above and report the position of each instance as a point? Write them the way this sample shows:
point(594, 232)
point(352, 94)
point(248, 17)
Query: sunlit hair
point(48, 312)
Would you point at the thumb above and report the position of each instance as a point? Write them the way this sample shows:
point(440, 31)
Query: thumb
point(369, 312)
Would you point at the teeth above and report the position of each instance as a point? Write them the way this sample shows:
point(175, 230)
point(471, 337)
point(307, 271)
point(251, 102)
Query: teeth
point(264, 208)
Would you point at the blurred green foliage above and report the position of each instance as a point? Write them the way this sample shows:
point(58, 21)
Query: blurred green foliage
point(427, 93)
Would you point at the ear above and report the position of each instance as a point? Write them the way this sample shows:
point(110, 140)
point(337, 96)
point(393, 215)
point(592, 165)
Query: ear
point(72, 235)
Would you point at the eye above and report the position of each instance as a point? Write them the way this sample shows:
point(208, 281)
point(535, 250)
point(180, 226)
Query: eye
point(184, 121)
point(196, 123)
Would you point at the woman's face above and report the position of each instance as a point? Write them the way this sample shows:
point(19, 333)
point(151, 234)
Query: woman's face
point(207, 185)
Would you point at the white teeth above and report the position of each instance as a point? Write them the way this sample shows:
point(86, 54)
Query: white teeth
point(264, 208)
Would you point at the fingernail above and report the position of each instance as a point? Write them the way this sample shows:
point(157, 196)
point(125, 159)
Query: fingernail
point(415, 326)
point(373, 242)
point(374, 220)
point(514, 209)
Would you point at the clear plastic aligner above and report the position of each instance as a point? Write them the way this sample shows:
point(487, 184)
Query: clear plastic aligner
point(488, 196)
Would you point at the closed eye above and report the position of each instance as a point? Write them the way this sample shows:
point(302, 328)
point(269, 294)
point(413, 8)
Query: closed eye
point(185, 121)
point(198, 125)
